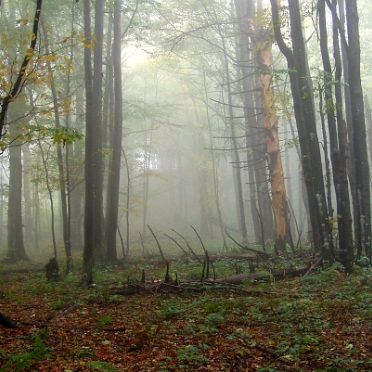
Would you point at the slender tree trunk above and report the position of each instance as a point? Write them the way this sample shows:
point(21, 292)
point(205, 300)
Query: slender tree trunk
point(369, 125)
point(27, 192)
point(348, 116)
point(44, 159)
point(244, 12)
point(90, 210)
point(61, 171)
point(236, 165)
point(359, 129)
point(114, 174)
point(77, 178)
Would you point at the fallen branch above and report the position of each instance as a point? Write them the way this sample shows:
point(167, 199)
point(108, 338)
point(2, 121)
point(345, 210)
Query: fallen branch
point(225, 284)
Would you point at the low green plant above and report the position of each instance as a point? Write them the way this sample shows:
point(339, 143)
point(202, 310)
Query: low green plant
point(105, 320)
point(102, 366)
point(191, 354)
point(214, 320)
point(21, 361)
point(84, 352)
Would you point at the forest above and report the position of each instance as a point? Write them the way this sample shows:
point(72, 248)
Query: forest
point(185, 186)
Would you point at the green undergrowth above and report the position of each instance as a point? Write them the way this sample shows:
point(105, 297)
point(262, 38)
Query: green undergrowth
point(320, 322)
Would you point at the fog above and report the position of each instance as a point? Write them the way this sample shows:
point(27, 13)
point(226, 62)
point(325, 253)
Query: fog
point(195, 153)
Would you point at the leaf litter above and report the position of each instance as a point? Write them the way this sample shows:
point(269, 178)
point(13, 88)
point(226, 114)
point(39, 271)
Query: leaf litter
point(318, 323)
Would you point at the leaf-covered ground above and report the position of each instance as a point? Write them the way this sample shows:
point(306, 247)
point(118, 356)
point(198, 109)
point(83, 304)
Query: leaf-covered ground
point(322, 322)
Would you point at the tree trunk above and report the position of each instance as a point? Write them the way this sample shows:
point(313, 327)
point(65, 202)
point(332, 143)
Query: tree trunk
point(263, 41)
point(359, 129)
point(348, 116)
point(61, 171)
point(16, 248)
point(244, 12)
point(77, 178)
point(27, 162)
point(114, 173)
point(89, 218)
point(236, 166)
point(338, 158)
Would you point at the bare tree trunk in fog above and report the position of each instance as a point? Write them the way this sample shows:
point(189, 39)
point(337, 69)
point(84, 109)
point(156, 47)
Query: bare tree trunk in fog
point(146, 179)
point(77, 178)
point(127, 204)
point(44, 158)
point(114, 172)
point(236, 164)
point(362, 177)
point(16, 248)
point(108, 95)
point(27, 162)
point(93, 248)
point(349, 119)
point(244, 11)
point(36, 213)
point(215, 167)
point(62, 173)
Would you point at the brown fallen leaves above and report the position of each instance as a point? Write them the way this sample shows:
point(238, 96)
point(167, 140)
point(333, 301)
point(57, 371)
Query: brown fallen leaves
point(90, 330)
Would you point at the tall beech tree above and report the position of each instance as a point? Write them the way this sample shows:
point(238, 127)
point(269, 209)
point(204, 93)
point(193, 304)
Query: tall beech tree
point(114, 173)
point(93, 225)
point(306, 125)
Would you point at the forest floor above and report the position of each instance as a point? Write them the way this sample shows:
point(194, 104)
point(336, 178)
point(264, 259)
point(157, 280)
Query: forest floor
point(321, 322)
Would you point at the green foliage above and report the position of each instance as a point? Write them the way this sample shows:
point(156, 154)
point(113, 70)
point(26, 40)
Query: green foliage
point(102, 366)
point(214, 320)
point(192, 355)
point(84, 352)
point(105, 320)
point(19, 362)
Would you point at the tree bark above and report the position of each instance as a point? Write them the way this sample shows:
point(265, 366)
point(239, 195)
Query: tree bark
point(344, 219)
point(114, 173)
point(263, 41)
point(16, 248)
point(362, 177)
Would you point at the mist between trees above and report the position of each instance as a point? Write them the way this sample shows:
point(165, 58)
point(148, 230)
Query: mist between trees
point(125, 121)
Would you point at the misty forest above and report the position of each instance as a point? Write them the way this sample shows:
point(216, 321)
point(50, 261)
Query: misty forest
point(185, 185)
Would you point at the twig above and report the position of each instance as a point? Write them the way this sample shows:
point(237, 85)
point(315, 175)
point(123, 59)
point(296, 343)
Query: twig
point(201, 242)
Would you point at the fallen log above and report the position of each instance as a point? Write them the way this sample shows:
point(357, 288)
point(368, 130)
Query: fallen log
point(228, 283)
point(212, 258)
